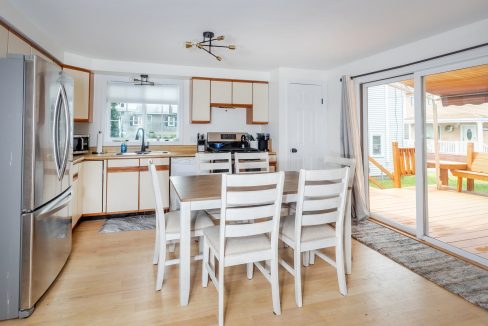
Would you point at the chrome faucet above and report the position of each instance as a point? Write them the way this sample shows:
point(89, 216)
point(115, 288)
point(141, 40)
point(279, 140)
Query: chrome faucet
point(143, 144)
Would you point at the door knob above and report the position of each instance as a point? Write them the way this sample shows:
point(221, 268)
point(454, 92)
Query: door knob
point(294, 150)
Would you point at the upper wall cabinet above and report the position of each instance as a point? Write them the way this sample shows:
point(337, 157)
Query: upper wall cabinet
point(200, 101)
point(16, 45)
point(83, 92)
point(229, 93)
point(221, 92)
point(3, 41)
point(242, 93)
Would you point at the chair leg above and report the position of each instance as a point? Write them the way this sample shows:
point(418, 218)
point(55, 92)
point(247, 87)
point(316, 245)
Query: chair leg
point(200, 244)
point(341, 272)
point(275, 286)
point(156, 248)
point(221, 294)
point(298, 276)
point(250, 270)
point(312, 258)
point(161, 266)
point(306, 258)
point(205, 259)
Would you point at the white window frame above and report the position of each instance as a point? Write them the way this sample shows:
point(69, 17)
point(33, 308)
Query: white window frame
point(108, 141)
point(382, 144)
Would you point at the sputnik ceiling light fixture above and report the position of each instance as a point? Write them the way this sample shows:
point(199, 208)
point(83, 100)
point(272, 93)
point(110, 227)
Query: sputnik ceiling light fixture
point(206, 45)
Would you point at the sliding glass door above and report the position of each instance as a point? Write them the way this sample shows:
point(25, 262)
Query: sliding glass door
point(456, 160)
point(390, 143)
point(425, 141)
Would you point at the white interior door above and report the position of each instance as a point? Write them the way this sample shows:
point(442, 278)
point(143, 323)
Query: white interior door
point(306, 121)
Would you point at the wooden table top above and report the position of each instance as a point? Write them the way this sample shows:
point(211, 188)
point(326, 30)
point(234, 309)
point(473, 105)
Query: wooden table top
point(451, 165)
point(208, 187)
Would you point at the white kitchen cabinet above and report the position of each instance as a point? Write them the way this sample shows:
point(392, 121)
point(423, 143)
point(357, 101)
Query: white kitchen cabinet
point(82, 102)
point(122, 185)
point(92, 187)
point(16, 45)
point(220, 92)
point(76, 193)
point(146, 192)
point(259, 114)
point(200, 101)
point(242, 93)
point(3, 41)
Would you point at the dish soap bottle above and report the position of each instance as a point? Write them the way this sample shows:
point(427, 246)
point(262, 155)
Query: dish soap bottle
point(123, 147)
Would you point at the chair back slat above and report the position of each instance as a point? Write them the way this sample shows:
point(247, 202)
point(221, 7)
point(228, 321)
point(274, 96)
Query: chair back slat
point(209, 163)
point(251, 162)
point(249, 213)
point(255, 201)
point(340, 162)
point(256, 197)
point(245, 230)
point(321, 198)
point(319, 218)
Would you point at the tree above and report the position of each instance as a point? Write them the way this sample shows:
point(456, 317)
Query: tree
point(114, 121)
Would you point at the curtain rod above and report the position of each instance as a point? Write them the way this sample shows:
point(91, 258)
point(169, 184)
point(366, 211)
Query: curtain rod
point(421, 61)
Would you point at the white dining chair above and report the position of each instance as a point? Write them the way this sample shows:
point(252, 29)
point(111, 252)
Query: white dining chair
point(251, 162)
point(209, 163)
point(338, 162)
point(168, 229)
point(248, 231)
point(321, 200)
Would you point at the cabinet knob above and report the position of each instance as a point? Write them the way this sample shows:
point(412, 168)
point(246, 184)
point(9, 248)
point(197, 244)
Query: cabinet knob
point(294, 150)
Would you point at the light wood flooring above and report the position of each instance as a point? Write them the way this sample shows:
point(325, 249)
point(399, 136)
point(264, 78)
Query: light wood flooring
point(109, 280)
point(460, 219)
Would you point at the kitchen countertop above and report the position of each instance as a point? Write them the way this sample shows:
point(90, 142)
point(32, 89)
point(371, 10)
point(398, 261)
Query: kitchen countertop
point(156, 153)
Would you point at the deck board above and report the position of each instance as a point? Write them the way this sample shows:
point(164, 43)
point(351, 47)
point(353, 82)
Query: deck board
point(460, 219)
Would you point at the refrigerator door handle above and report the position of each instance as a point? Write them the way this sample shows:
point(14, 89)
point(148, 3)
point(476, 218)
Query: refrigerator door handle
point(56, 132)
point(57, 205)
point(67, 117)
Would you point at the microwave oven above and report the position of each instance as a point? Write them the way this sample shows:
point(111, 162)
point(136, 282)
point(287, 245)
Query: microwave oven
point(81, 144)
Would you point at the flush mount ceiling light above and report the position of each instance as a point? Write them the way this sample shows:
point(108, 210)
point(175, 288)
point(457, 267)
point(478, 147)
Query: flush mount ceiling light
point(143, 81)
point(206, 44)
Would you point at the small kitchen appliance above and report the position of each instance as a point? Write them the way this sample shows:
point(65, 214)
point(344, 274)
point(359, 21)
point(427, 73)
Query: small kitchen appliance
point(81, 144)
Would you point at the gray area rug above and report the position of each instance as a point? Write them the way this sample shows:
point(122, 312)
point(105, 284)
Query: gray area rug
point(129, 223)
point(455, 275)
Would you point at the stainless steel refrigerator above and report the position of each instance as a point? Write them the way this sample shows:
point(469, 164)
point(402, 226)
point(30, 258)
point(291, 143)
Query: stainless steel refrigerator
point(35, 157)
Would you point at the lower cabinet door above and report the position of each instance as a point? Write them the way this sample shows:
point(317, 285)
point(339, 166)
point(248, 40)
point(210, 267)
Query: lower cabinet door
point(74, 202)
point(122, 185)
point(146, 193)
point(92, 187)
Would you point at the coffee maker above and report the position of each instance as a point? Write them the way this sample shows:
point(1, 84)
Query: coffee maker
point(263, 142)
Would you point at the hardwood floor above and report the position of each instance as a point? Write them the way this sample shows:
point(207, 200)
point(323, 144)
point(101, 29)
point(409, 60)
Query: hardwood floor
point(109, 280)
point(460, 219)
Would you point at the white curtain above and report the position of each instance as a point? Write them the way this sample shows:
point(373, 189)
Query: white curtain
point(351, 146)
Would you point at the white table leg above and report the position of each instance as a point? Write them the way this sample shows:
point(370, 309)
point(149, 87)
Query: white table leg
point(185, 246)
point(347, 235)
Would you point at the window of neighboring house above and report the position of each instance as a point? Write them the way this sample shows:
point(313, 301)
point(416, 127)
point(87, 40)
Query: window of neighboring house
point(132, 107)
point(376, 148)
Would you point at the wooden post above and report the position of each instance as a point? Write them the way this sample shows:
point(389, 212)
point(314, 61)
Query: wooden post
point(397, 174)
point(469, 161)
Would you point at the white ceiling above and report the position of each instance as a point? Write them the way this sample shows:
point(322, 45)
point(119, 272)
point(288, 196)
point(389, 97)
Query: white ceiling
point(316, 34)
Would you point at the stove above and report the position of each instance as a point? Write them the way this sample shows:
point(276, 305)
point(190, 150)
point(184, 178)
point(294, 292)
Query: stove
point(225, 142)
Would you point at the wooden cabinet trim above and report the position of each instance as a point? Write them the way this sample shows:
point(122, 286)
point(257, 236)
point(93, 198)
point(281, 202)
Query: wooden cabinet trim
point(230, 106)
point(158, 168)
point(122, 169)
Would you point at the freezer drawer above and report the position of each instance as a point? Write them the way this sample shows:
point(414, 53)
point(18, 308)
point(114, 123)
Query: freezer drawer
point(46, 245)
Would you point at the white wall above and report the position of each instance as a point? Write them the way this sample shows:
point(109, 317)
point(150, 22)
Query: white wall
point(456, 39)
point(15, 18)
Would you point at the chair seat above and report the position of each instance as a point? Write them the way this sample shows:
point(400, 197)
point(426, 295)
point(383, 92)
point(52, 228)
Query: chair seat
point(309, 233)
point(214, 213)
point(199, 221)
point(237, 246)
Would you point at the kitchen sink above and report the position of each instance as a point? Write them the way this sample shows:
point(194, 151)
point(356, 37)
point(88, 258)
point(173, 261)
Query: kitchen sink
point(143, 153)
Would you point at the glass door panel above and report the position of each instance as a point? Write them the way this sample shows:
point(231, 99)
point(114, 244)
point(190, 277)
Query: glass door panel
point(456, 144)
point(390, 139)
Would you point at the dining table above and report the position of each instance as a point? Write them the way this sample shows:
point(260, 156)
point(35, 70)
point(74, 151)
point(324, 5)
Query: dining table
point(203, 192)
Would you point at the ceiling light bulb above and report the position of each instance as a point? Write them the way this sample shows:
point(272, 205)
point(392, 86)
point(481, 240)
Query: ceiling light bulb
point(220, 38)
point(218, 58)
point(189, 45)
point(199, 46)
point(232, 47)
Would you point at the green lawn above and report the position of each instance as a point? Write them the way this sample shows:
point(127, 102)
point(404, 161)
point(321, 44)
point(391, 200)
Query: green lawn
point(479, 186)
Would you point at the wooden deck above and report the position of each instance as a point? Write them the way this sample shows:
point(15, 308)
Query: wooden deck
point(460, 219)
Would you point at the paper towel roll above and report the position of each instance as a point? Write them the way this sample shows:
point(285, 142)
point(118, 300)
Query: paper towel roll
point(99, 143)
